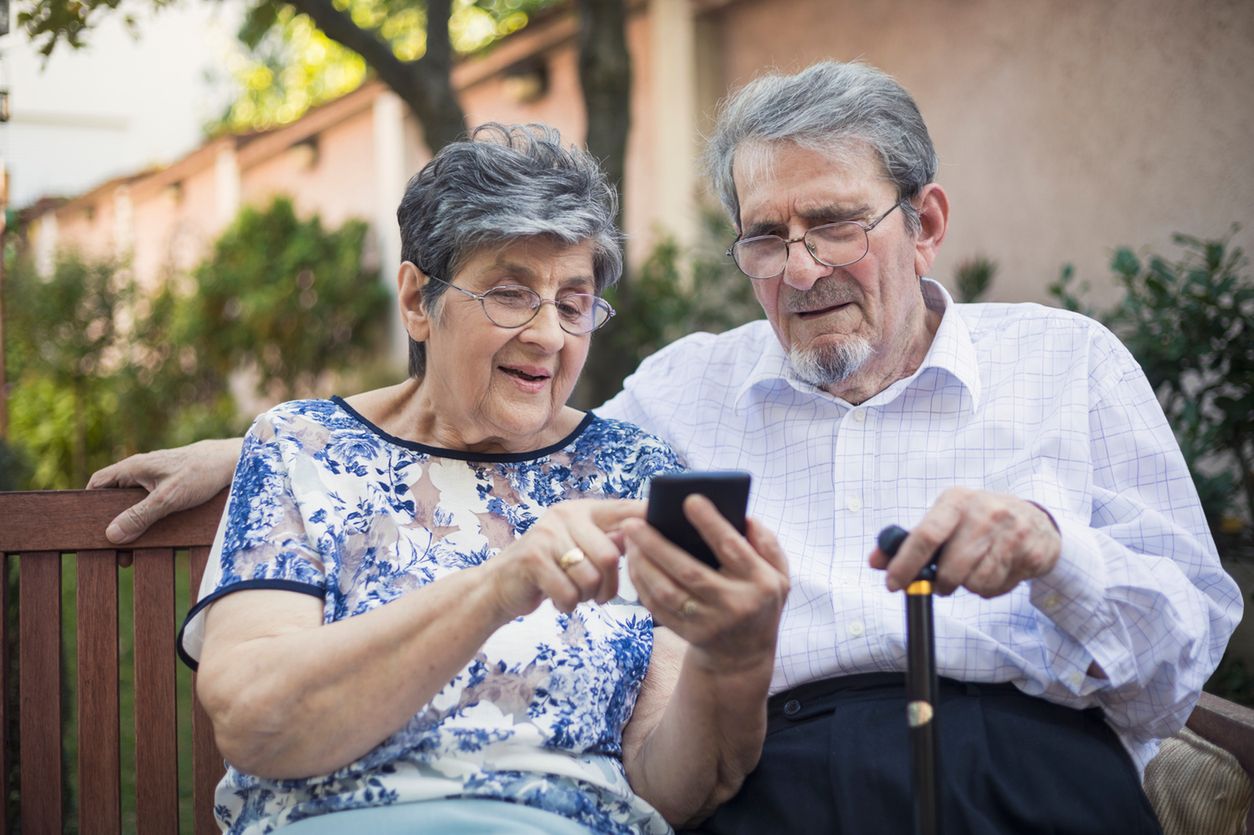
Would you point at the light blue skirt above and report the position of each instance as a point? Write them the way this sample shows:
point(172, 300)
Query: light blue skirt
point(465, 816)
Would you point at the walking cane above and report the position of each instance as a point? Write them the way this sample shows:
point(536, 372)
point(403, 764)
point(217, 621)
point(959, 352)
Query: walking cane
point(921, 687)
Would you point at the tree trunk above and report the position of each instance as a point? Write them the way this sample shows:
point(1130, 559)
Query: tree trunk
point(424, 85)
point(605, 77)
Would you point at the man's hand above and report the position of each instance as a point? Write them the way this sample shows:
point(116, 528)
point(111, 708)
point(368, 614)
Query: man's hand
point(992, 543)
point(175, 479)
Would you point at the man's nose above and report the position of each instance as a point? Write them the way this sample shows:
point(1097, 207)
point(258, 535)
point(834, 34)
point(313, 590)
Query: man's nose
point(801, 269)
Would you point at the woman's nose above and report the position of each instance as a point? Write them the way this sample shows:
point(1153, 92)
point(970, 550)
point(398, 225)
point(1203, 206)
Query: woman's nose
point(545, 330)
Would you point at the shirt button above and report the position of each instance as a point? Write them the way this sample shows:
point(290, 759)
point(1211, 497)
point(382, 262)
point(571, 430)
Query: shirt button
point(859, 416)
point(854, 504)
point(856, 628)
point(1051, 602)
point(1076, 680)
point(792, 707)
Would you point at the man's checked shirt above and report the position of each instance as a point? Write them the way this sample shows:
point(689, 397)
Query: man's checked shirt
point(1017, 399)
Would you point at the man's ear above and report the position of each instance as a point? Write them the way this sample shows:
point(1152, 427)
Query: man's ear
point(414, 317)
point(933, 206)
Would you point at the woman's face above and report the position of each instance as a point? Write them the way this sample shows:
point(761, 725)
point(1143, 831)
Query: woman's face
point(504, 389)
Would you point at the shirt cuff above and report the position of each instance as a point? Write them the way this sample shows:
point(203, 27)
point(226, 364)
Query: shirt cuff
point(1071, 599)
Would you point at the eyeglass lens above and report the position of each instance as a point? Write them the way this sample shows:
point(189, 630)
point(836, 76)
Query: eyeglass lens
point(513, 307)
point(833, 244)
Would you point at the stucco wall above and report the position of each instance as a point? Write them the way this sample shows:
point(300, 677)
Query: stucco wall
point(174, 223)
point(331, 177)
point(1064, 127)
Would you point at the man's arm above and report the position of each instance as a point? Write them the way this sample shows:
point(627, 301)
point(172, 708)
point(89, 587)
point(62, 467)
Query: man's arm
point(175, 479)
point(1132, 605)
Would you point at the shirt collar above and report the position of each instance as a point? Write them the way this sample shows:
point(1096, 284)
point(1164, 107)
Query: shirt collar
point(951, 352)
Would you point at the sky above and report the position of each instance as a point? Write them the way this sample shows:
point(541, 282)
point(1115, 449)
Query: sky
point(119, 104)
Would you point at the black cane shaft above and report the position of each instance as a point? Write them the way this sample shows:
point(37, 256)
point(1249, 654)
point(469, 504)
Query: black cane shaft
point(921, 702)
point(922, 690)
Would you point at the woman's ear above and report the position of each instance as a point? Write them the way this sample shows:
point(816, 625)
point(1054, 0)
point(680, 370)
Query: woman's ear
point(409, 283)
point(933, 220)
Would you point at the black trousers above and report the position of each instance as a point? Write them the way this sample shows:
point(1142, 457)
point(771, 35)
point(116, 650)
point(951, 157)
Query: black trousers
point(837, 760)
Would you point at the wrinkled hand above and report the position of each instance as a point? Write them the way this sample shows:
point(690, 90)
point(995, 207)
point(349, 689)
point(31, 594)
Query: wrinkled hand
point(730, 617)
point(527, 571)
point(992, 543)
point(175, 479)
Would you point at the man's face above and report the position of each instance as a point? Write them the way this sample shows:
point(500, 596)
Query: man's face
point(845, 328)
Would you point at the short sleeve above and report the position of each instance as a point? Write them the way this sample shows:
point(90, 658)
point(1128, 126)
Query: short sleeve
point(627, 457)
point(262, 541)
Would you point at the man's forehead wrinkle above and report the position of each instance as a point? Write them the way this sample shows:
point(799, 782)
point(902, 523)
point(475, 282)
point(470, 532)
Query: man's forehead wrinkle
point(819, 213)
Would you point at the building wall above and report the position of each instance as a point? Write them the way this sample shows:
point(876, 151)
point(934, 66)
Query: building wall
point(329, 175)
point(1064, 127)
point(175, 219)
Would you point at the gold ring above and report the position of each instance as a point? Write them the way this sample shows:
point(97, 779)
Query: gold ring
point(688, 608)
point(572, 557)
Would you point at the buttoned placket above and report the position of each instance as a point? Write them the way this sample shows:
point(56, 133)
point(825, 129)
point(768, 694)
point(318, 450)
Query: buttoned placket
point(852, 478)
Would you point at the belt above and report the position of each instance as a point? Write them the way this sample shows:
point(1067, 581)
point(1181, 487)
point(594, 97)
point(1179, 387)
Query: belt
point(817, 698)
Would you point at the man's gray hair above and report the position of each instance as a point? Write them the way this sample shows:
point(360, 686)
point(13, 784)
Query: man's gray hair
point(830, 108)
point(505, 183)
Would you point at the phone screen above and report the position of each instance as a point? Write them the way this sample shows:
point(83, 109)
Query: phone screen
point(727, 489)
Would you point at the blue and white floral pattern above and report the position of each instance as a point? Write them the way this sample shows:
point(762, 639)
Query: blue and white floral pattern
point(324, 503)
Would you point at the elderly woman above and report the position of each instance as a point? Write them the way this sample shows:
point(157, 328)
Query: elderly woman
point(414, 618)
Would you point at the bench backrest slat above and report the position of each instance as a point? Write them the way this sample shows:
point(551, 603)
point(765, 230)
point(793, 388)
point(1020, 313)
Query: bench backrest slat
point(99, 747)
point(206, 761)
point(39, 660)
point(156, 738)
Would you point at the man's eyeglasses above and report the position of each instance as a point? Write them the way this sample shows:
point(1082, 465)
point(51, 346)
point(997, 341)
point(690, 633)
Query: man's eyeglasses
point(512, 306)
point(832, 245)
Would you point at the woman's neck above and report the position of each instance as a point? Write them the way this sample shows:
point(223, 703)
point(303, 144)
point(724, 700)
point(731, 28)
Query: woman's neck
point(408, 411)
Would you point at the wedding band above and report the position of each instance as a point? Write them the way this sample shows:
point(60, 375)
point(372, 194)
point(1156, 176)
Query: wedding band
point(688, 609)
point(572, 557)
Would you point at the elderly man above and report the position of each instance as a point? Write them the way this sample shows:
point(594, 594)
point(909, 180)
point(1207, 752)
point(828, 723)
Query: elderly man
point(1084, 603)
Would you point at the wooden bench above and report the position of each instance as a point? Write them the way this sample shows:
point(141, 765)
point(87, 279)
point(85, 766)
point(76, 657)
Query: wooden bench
point(38, 529)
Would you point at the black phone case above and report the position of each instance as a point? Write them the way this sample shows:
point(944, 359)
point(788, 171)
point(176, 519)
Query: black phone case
point(727, 489)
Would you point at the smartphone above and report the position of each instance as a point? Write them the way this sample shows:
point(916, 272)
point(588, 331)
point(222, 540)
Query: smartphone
point(727, 489)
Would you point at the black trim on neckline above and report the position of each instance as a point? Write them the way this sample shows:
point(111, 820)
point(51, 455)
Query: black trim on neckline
point(461, 454)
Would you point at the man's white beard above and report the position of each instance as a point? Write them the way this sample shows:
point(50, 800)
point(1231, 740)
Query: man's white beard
point(830, 365)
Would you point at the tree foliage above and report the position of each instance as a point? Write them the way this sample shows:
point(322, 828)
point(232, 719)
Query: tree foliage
point(291, 65)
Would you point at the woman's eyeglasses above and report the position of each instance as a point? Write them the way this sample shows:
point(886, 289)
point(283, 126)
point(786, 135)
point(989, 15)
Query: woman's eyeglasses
point(512, 306)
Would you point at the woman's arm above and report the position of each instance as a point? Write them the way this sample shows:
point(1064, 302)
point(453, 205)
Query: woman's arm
point(700, 719)
point(290, 696)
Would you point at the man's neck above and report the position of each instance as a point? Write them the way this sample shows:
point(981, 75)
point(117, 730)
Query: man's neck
point(884, 370)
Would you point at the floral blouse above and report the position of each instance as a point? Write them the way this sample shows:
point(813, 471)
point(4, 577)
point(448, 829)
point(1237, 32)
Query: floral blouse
point(325, 503)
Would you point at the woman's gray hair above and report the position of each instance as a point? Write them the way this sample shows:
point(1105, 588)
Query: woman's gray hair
point(504, 183)
point(830, 108)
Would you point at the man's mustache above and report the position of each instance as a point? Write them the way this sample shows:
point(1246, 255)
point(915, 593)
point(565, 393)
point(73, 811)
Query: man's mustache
point(828, 291)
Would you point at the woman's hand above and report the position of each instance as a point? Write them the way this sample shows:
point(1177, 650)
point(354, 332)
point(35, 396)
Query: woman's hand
point(729, 617)
point(569, 555)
